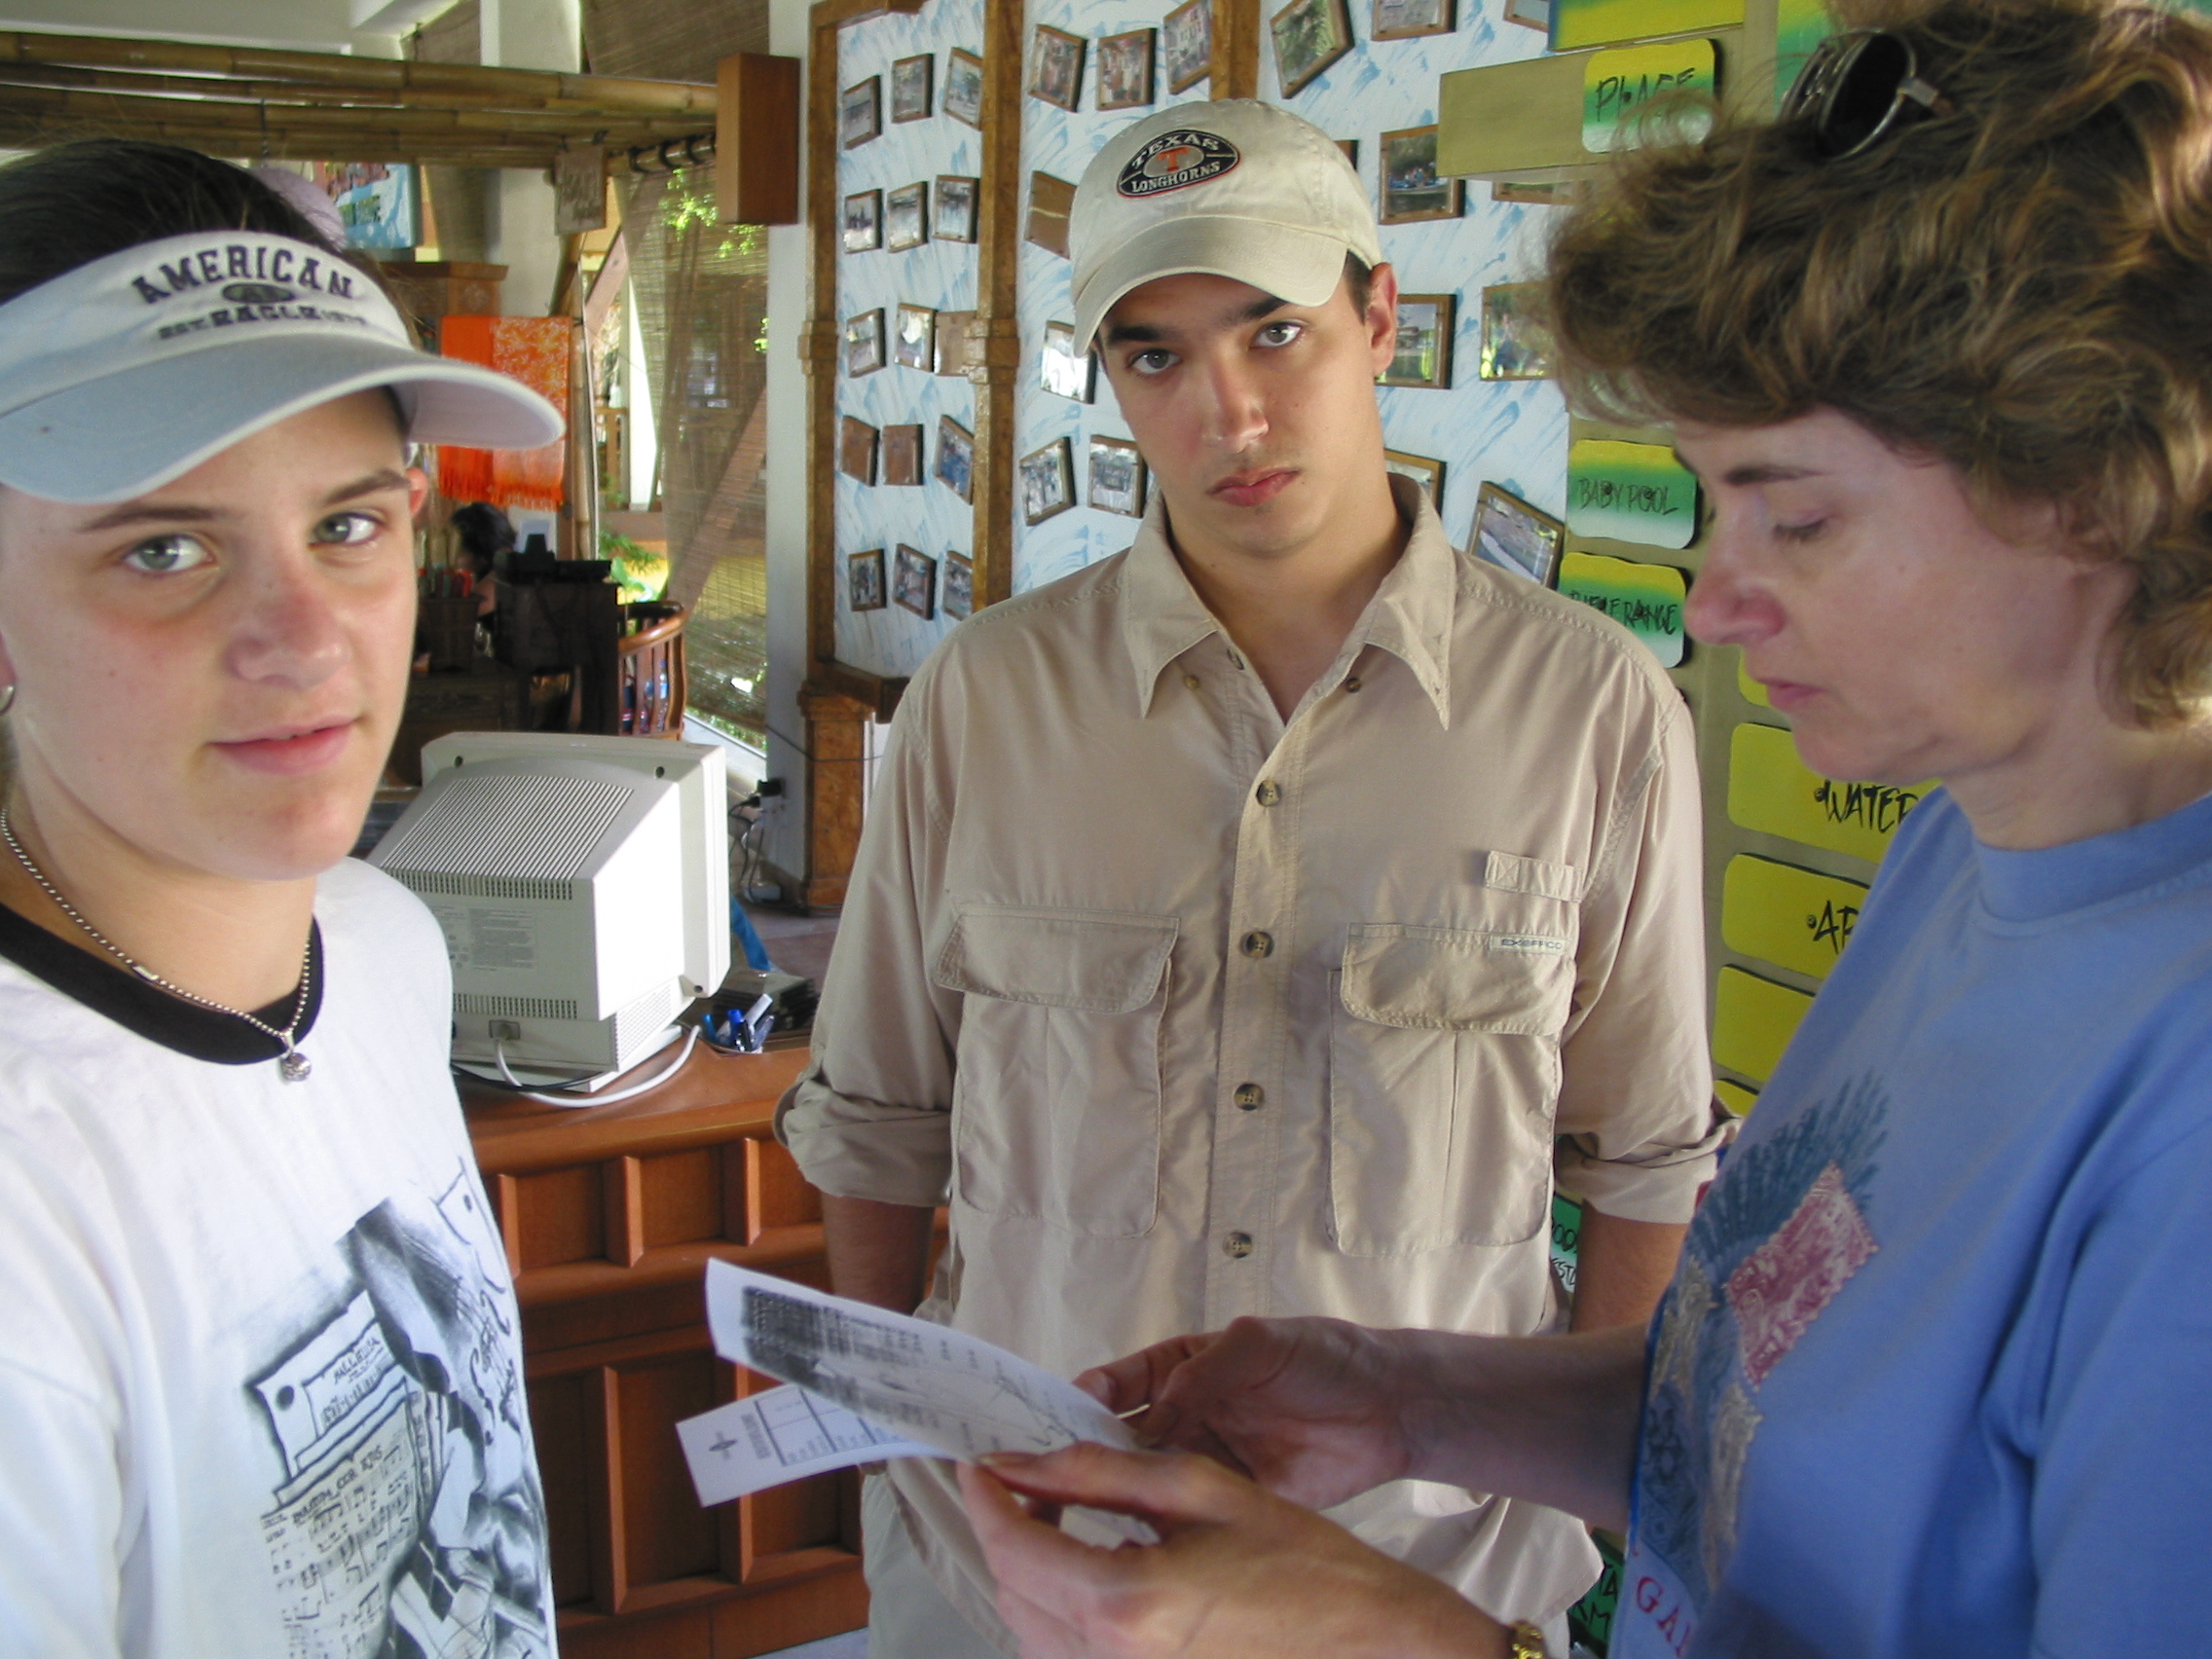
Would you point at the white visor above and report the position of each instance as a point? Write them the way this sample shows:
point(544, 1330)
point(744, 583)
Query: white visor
point(126, 373)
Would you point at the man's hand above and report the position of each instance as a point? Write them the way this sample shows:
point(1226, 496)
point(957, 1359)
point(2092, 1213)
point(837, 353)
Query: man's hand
point(1309, 1407)
point(1238, 1572)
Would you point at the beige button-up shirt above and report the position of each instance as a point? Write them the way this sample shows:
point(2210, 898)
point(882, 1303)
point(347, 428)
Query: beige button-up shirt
point(1194, 1012)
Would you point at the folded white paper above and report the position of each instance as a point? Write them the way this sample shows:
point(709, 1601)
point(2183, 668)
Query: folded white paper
point(784, 1434)
point(870, 1385)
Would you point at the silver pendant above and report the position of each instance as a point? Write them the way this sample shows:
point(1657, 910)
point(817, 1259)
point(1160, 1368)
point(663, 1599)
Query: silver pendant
point(294, 1066)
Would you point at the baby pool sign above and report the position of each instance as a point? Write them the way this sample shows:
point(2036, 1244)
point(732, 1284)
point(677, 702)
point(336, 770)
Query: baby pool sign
point(1630, 492)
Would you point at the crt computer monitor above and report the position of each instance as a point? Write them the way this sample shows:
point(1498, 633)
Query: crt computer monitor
point(582, 884)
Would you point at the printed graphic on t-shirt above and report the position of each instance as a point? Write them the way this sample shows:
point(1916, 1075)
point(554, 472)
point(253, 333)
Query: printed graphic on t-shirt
point(410, 1520)
point(1775, 1241)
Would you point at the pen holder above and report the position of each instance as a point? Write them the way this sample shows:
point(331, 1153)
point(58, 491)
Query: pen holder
point(446, 628)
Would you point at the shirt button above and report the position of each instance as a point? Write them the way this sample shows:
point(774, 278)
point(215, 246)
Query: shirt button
point(1268, 793)
point(1237, 1245)
point(1352, 682)
point(1192, 680)
point(1236, 661)
point(1257, 944)
point(1249, 1095)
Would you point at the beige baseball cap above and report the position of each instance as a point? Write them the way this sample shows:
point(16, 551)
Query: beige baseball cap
point(1236, 188)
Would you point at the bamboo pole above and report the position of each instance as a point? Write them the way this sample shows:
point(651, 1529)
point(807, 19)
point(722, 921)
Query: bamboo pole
point(477, 124)
point(292, 91)
point(331, 70)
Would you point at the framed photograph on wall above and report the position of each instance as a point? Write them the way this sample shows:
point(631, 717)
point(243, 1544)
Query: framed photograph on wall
point(1124, 70)
point(964, 86)
point(905, 217)
point(1529, 14)
point(864, 344)
point(912, 81)
point(952, 341)
point(864, 221)
point(1412, 191)
point(956, 458)
point(860, 112)
point(864, 580)
point(1402, 20)
point(956, 207)
point(1309, 35)
point(1065, 371)
point(1055, 67)
point(1045, 481)
point(914, 343)
point(1350, 148)
point(856, 450)
point(959, 598)
point(902, 455)
point(1185, 45)
point(913, 582)
point(1516, 345)
point(1514, 537)
point(1424, 357)
point(1051, 202)
point(1117, 477)
point(1427, 473)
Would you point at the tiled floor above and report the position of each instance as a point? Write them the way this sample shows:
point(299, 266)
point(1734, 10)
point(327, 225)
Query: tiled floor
point(853, 1644)
point(797, 944)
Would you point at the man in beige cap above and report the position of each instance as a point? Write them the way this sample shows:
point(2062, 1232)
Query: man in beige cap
point(1239, 920)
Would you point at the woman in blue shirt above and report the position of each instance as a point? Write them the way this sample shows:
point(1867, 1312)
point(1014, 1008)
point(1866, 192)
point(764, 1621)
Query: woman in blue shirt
point(1931, 1377)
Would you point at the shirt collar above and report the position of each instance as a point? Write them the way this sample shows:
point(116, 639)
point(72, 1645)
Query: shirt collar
point(1410, 616)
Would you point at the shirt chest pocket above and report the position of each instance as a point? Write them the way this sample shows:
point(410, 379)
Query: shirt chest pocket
point(1442, 1078)
point(1057, 1104)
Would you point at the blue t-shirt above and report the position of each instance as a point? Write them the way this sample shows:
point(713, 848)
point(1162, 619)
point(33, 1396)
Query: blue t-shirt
point(1934, 1376)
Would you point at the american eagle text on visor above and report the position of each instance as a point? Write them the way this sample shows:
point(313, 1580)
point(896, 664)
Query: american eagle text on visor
point(1236, 189)
point(120, 375)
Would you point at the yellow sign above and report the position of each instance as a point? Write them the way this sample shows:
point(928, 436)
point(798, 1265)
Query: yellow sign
point(1600, 22)
point(1618, 85)
point(1773, 791)
point(1792, 917)
point(1752, 690)
point(1753, 1023)
point(1735, 1096)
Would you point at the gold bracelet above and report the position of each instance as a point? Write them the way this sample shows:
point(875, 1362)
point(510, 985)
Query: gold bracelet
point(1528, 1642)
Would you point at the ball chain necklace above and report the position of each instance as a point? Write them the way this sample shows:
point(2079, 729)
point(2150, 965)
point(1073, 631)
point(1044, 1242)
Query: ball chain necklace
point(293, 1066)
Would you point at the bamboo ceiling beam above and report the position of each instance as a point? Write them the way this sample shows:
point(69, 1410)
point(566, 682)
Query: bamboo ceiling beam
point(56, 103)
point(294, 91)
point(332, 71)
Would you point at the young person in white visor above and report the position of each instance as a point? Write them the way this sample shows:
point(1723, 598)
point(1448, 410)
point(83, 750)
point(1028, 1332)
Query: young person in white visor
point(261, 1387)
point(1239, 920)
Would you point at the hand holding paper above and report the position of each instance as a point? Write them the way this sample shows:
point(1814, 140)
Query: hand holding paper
point(872, 1384)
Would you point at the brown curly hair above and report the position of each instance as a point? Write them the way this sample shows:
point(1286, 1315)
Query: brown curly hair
point(2020, 285)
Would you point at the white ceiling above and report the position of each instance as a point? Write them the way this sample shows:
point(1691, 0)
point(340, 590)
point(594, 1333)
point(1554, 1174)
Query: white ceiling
point(371, 28)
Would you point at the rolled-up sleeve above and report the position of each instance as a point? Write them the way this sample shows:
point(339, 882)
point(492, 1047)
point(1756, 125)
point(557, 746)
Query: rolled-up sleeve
point(1640, 1130)
point(871, 1117)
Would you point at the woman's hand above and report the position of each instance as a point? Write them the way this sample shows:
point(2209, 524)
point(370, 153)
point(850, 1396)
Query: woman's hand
point(1238, 1572)
point(1311, 1409)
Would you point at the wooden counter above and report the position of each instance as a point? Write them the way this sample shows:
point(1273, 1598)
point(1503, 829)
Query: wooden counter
point(610, 1215)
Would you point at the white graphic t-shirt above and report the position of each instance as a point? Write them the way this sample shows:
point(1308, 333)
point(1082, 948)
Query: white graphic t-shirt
point(261, 1385)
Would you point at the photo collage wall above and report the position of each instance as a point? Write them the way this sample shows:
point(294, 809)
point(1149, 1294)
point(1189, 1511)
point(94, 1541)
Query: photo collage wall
point(1092, 66)
point(909, 156)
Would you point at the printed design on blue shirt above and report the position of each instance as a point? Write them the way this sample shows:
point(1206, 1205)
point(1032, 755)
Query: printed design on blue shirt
point(410, 1523)
point(1778, 1236)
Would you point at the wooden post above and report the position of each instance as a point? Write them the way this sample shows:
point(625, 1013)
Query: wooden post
point(994, 361)
point(756, 129)
point(1235, 49)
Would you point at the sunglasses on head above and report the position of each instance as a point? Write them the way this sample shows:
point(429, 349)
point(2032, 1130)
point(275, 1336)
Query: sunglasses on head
point(1857, 88)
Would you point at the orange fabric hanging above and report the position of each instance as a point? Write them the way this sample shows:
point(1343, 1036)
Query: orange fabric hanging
point(533, 349)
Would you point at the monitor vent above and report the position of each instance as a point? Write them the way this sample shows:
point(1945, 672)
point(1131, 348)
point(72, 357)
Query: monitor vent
point(486, 886)
point(514, 1008)
point(649, 1013)
point(517, 827)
